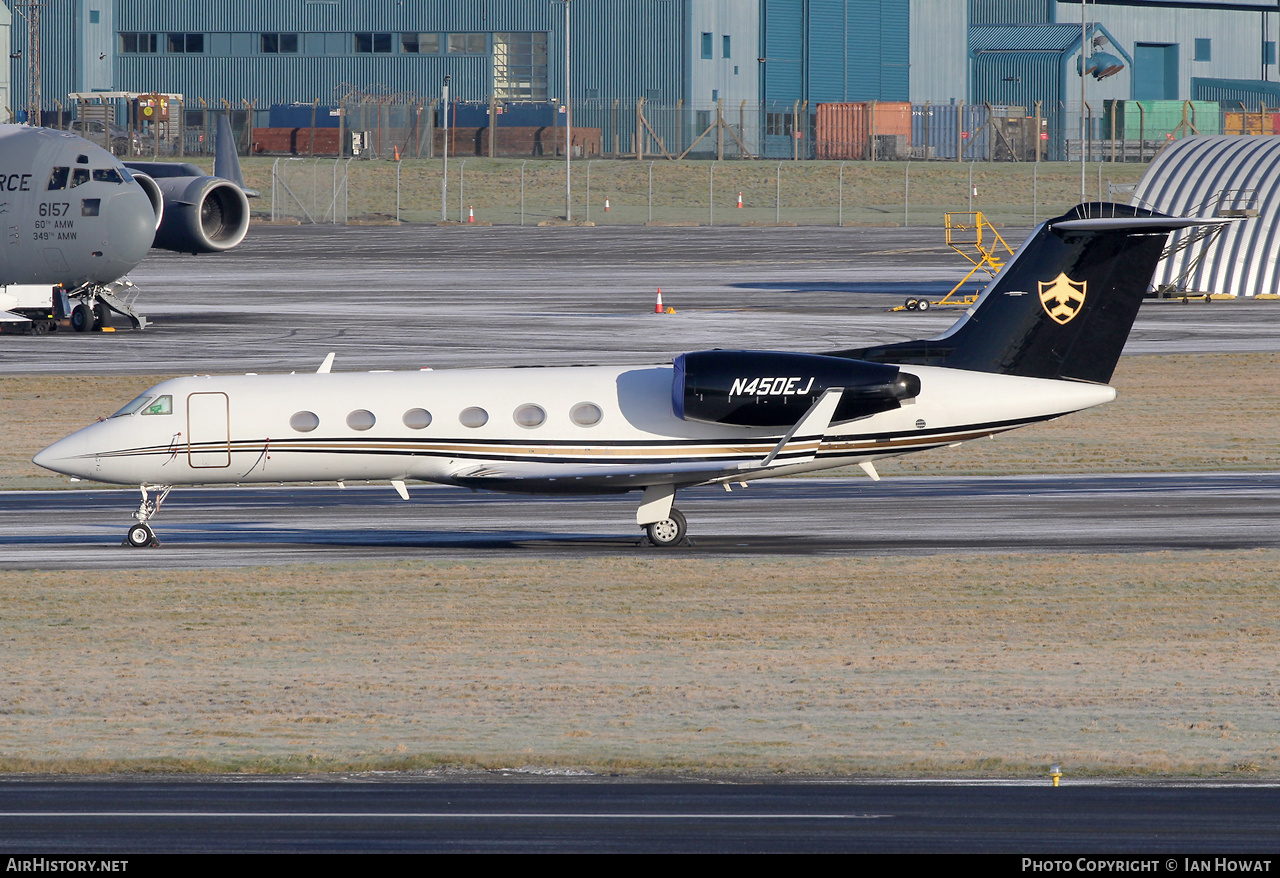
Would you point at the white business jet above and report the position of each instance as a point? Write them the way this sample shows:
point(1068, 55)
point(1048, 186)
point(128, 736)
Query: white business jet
point(1041, 342)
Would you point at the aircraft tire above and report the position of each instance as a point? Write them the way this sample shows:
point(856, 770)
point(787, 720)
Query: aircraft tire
point(101, 316)
point(140, 536)
point(668, 532)
point(82, 318)
point(912, 304)
point(923, 304)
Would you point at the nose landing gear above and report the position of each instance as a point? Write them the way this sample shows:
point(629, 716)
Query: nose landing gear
point(140, 535)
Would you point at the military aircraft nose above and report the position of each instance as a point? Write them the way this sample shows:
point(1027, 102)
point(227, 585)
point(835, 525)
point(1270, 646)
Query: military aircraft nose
point(131, 225)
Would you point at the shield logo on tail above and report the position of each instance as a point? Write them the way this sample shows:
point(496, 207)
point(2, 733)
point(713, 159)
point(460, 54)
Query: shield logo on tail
point(1062, 298)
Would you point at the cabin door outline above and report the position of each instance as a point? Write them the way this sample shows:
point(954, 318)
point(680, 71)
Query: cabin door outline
point(208, 430)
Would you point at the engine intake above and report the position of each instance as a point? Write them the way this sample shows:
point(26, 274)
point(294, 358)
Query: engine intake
point(775, 389)
point(201, 214)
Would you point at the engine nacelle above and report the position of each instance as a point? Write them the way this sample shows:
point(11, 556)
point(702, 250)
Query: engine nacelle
point(201, 214)
point(154, 195)
point(775, 389)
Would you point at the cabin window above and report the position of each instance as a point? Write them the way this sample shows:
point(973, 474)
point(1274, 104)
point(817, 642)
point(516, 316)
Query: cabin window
point(58, 178)
point(161, 405)
point(90, 206)
point(361, 419)
point(530, 415)
point(474, 417)
point(107, 175)
point(304, 422)
point(586, 414)
point(417, 419)
point(79, 177)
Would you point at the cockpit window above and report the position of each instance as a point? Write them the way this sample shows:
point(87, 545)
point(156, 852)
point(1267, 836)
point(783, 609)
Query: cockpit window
point(148, 405)
point(106, 175)
point(133, 406)
point(58, 178)
point(79, 176)
point(161, 405)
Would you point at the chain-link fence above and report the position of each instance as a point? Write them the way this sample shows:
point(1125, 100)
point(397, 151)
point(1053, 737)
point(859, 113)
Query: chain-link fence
point(370, 123)
point(657, 191)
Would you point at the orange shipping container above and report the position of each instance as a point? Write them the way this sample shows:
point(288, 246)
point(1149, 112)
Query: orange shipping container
point(842, 131)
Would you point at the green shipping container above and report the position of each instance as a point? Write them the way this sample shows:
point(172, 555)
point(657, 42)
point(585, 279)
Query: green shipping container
point(1156, 119)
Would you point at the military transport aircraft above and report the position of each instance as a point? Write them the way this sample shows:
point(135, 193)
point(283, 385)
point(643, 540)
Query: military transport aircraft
point(72, 214)
point(1041, 341)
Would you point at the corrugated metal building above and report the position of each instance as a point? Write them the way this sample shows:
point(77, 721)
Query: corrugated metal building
point(1168, 45)
point(1202, 175)
point(282, 51)
point(5, 100)
point(820, 51)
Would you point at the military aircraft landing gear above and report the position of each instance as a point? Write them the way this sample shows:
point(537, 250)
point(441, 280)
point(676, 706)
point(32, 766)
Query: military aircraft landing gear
point(140, 535)
point(671, 531)
point(82, 317)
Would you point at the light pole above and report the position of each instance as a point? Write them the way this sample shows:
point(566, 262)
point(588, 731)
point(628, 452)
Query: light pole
point(444, 182)
point(1084, 48)
point(568, 124)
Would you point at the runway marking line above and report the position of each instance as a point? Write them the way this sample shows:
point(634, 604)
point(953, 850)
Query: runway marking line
point(442, 815)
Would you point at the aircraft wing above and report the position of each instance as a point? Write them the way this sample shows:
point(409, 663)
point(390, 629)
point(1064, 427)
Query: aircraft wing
point(596, 476)
point(799, 445)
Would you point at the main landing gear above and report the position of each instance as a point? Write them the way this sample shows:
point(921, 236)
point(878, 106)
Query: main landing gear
point(663, 524)
point(140, 535)
point(668, 532)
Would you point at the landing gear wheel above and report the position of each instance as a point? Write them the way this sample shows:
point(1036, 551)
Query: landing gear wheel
point(923, 305)
point(82, 317)
point(141, 536)
point(912, 304)
point(101, 316)
point(668, 532)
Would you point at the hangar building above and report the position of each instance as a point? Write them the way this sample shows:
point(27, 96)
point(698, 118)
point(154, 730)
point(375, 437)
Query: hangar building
point(1206, 176)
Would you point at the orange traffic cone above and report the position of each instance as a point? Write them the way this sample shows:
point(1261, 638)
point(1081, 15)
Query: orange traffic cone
point(739, 200)
point(606, 205)
point(471, 214)
point(657, 309)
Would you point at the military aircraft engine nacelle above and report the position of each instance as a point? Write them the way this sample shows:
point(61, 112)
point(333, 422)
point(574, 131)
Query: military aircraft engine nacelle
point(776, 389)
point(201, 214)
point(154, 195)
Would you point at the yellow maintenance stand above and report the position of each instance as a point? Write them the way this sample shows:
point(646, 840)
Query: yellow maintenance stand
point(970, 235)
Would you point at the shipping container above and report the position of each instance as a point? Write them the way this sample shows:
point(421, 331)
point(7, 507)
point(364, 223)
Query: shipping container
point(945, 131)
point(1149, 120)
point(844, 131)
point(301, 116)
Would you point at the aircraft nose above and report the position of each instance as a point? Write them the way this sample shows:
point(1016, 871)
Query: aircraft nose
point(67, 456)
point(131, 225)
